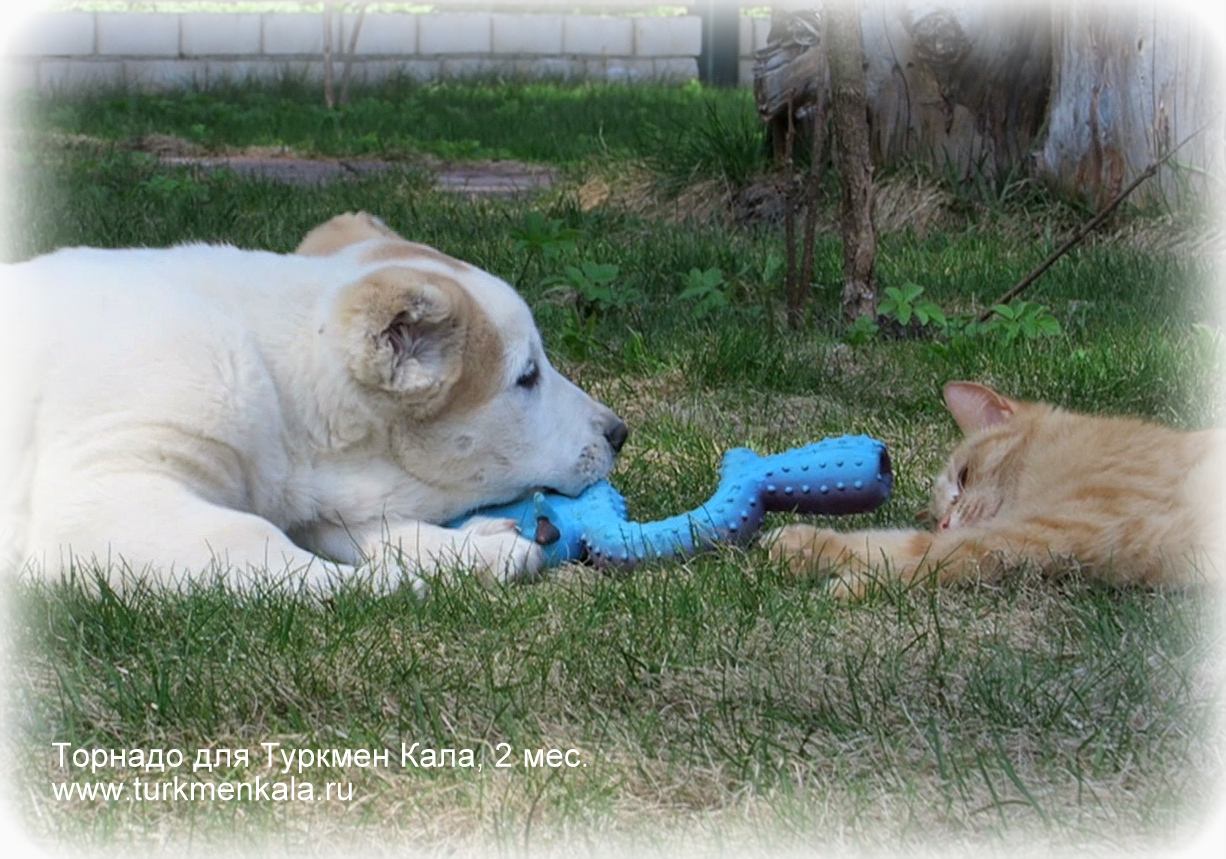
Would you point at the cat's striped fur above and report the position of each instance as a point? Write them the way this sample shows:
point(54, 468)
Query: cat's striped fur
point(1124, 500)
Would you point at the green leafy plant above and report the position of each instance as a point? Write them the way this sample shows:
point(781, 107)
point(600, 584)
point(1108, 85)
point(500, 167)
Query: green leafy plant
point(907, 302)
point(590, 291)
point(864, 329)
point(1028, 320)
point(706, 290)
point(903, 306)
point(592, 284)
point(579, 335)
point(541, 238)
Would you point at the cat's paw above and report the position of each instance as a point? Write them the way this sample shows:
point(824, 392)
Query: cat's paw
point(849, 585)
point(804, 549)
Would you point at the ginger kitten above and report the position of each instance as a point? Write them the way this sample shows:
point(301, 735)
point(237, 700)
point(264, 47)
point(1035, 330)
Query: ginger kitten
point(1126, 501)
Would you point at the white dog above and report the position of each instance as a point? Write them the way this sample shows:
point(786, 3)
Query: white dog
point(204, 409)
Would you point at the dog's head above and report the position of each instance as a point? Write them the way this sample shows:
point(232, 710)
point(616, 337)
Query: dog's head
point(452, 356)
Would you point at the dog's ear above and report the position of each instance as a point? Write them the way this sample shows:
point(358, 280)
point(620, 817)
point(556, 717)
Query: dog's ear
point(342, 231)
point(406, 335)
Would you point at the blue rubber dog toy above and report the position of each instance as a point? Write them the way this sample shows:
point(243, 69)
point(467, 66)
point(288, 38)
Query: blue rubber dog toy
point(848, 474)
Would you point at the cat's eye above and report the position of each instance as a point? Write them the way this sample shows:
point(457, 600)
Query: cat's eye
point(962, 478)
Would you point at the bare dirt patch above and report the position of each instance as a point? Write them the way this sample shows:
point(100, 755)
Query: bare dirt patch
point(507, 178)
point(474, 179)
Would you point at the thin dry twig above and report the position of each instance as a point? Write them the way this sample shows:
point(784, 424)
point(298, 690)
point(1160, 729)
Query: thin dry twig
point(1025, 283)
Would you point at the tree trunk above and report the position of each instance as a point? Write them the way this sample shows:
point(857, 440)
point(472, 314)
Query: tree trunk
point(1081, 94)
point(849, 110)
point(960, 87)
point(1132, 82)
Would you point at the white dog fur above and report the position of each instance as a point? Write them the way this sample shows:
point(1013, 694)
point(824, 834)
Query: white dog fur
point(204, 409)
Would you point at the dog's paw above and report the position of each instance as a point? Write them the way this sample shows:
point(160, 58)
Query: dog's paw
point(489, 526)
point(503, 556)
point(498, 553)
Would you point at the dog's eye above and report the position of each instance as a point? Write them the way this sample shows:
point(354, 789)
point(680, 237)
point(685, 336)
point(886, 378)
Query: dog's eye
point(530, 377)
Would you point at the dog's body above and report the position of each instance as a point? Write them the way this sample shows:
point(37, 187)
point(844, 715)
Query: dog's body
point(205, 408)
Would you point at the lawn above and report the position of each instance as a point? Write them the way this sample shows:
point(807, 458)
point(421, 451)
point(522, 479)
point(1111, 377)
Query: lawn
point(691, 706)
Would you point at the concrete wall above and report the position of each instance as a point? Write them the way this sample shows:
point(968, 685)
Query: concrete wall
point(57, 50)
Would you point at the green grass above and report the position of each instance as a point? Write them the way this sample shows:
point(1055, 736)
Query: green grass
point(712, 702)
point(398, 119)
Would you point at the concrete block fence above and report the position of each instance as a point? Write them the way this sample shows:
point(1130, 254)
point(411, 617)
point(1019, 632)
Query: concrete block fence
point(150, 50)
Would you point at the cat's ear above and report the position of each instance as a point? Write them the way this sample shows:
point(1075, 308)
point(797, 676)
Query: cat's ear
point(976, 407)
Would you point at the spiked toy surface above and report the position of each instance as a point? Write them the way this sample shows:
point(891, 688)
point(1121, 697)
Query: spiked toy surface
point(846, 474)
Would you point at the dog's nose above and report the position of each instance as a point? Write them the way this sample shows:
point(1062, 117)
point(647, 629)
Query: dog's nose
point(616, 433)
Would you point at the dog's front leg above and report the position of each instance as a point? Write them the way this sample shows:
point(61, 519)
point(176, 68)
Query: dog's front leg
point(151, 528)
point(490, 549)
